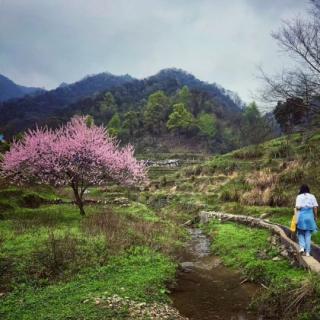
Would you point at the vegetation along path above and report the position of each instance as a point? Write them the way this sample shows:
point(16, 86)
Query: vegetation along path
point(312, 263)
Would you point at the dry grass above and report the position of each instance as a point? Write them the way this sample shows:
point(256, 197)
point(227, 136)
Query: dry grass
point(262, 179)
point(60, 255)
point(290, 303)
point(252, 197)
point(122, 232)
point(263, 183)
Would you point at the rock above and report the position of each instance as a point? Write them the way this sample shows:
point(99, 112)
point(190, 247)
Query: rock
point(187, 266)
point(173, 189)
point(276, 259)
point(263, 255)
point(274, 240)
point(121, 201)
point(284, 253)
point(140, 310)
point(163, 163)
point(187, 223)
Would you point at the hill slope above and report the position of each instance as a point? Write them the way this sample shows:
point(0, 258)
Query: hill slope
point(254, 180)
point(23, 113)
point(10, 90)
point(128, 92)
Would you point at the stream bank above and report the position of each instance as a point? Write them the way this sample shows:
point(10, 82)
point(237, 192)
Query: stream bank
point(206, 289)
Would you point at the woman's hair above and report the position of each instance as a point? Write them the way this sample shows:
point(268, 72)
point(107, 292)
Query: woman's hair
point(304, 189)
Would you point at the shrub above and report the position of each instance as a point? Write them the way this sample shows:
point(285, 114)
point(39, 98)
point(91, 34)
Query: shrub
point(31, 200)
point(158, 200)
point(221, 165)
point(283, 150)
point(292, 176)
point(163, 181)
point(280, 199)
point(185, 186)
point(122, 232)
point(229, 195)
point(252, 197)
point(262, 179)
point(189, 171)
point(64, 254)
point(252, 152)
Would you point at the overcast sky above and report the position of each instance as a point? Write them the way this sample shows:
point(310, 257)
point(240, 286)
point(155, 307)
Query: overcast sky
point(46, 42)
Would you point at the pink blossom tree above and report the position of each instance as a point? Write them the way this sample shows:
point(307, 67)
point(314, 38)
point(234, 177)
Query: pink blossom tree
point(77, 154)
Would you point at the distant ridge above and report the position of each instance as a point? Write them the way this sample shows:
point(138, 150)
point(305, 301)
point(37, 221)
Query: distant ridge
point(11, 90)
point(61, 103)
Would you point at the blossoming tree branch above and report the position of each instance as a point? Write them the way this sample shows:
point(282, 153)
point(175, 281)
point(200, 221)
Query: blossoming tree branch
point(77, 154)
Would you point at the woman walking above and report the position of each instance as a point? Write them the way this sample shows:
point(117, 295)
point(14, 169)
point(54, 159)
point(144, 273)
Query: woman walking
point(307, 207)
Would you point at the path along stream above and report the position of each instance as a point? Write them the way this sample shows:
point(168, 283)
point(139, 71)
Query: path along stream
point(208, 290)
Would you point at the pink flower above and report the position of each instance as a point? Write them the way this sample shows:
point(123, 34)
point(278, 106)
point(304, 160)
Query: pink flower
point(74, 155)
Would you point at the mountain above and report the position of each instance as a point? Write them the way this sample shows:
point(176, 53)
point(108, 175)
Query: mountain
point(25, 112)
point(134, 94)
point(218, 93)
point(106, 95)
point(10, 90)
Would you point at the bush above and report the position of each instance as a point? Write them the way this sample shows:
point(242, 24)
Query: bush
point(64, 254)
point(31, 200)
point(229, 195)
point(292, 176)
point(252, 197)
point(221, 165)
point(262, 179)
point(122, 232)
point(185, 186)
point(163, 181)
point(251, 152)
point(283, 150)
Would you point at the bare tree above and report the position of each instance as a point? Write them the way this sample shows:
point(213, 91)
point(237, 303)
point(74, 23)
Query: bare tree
point(301, 39)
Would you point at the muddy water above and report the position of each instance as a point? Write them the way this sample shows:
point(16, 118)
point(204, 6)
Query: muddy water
point(208, 290)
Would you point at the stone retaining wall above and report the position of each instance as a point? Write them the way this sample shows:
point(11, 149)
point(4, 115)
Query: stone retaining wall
point(307, 262)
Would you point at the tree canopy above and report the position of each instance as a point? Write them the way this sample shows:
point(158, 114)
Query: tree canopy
point(75, 155)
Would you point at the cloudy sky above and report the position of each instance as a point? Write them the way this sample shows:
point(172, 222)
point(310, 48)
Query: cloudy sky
point(46, 42)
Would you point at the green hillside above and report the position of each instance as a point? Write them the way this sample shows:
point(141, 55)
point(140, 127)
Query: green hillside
point(255, 180)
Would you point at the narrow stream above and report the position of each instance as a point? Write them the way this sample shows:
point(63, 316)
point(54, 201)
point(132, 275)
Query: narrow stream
point(208, 290)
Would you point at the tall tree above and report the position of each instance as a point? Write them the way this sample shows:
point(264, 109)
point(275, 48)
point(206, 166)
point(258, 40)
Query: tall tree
point(131, 122)
point(254, 127)
point(207, 125)
point(156, 112)
point(74, 155)
point(114, 125)
point(184, 96)
point(180, 120)
point(288, 114)
point(107, 107)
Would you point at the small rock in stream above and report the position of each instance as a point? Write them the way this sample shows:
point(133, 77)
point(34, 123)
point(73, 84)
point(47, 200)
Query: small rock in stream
point(187, 266)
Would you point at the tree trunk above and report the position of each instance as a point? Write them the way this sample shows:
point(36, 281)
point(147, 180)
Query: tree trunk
point(79, 200)
point(80, 205)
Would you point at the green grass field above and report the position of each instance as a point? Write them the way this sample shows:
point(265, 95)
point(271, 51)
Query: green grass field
point(54, 263)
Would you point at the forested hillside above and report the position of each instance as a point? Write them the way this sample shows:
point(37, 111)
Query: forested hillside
point(24, 113)
point(171, 111)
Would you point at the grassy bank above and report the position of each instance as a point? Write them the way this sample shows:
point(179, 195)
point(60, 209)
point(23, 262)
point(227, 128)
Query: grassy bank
point(139, 274)
point(52, 260)
point(292, 292)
